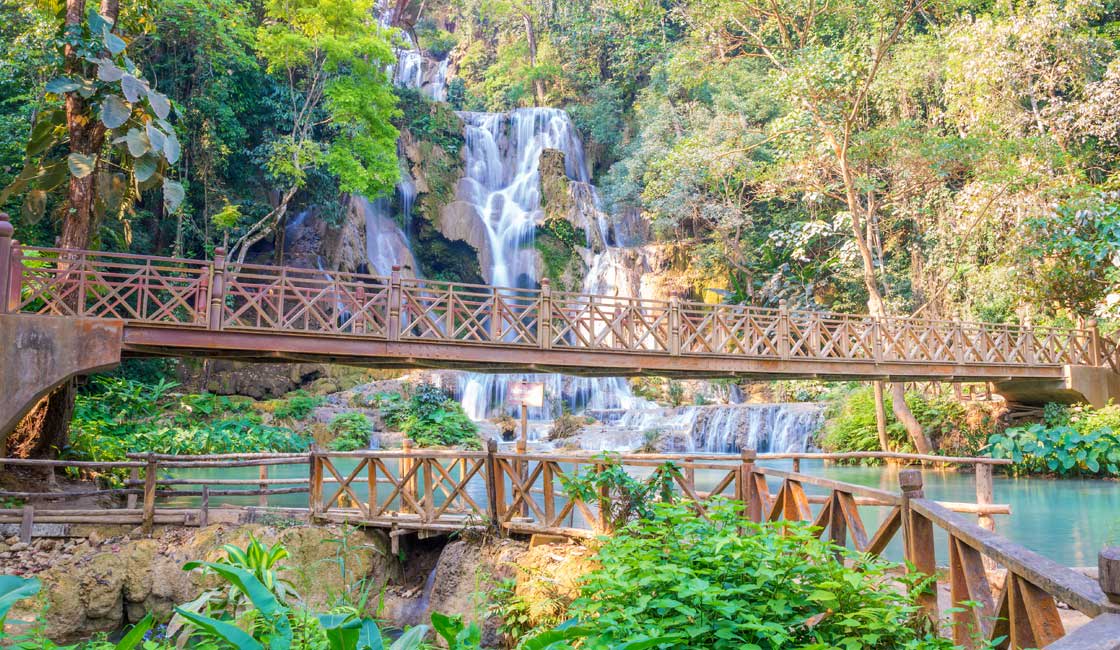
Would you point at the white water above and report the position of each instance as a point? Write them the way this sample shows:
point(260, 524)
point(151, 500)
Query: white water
point(713, 429)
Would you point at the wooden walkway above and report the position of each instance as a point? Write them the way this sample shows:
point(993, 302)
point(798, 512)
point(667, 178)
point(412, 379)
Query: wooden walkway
point(176, 307)
point(1014, 593)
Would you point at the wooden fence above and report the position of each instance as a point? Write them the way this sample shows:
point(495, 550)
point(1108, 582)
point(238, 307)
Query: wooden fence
point(998, 589)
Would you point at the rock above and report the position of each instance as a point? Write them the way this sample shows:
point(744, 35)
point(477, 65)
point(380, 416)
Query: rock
point(460, 221)
point(256, 380)
point(18, 546)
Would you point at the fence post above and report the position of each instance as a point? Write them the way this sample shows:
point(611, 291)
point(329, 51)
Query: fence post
point(150, 472)
point(6, 280)
point(1108, 566)
point(217, 290)
point(783, 329)
point(408, 486)
point(395, 304)
point(492, 480)
point(133, 479)
point(15, 278)
point(27, 523)
point(746, 481)
point(877, 339)
point(917, 535)
point(544, 318)
point(675, 325)
point(1094, 342)
point(204, 508)
point(315, 484)
point(262, 500)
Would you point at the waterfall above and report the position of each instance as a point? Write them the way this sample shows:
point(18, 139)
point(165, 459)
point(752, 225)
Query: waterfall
point(720, 429)
point(502, 183)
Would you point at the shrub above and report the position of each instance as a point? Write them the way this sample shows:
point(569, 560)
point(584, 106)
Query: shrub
point(297, 406)
point(351, 431)
point(430, 417)
point(1068, 442)
point(619, 496)
point(568, 425)
point(715, 585)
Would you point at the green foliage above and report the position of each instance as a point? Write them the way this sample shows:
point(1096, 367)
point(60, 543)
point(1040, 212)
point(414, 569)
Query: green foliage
point(714, 585)
point(118, 416)
point(297, 406)
point(140, 144)
point(620, 497)
point(430, 121)
point(1083, 443)
point(14, 589)
point(568, 425)
point(851, 424)
point(430, 417)
point(351, 431)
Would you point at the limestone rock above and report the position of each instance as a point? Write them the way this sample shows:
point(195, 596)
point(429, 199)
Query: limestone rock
point(460, 221)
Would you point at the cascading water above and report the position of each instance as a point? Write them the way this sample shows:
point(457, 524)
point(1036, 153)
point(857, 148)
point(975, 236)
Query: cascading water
point(502, 183)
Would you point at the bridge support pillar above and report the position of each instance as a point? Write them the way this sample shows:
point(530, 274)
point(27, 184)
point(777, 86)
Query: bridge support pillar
point(1095, 385)
point(40, 353)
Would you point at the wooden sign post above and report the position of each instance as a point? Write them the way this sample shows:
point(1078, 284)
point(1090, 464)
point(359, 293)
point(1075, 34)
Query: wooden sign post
point(525, 394)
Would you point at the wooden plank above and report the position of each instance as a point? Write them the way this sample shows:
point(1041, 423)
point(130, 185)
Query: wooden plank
point(852, 520)
point(27, 521)
point(886, 532)
point(887, 498)
point(1076, 590)
point(1101, 633)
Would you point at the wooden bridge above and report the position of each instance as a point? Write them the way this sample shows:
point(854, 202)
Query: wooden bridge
point(181, 307)
point(993, 587)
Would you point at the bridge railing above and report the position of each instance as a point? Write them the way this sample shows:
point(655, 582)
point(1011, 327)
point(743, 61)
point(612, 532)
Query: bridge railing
point(245, 297)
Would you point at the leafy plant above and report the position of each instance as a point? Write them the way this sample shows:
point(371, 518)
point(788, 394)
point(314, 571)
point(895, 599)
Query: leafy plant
point(719, 582)
point(351, 431)
point(1064, 450)
point(14, 589)
point(430, 417)
point(619, 496)
point(297, 406)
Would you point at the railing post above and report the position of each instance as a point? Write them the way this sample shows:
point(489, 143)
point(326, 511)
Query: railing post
point(1094, 342)
point(1108, 566)
point(544, 318)
point(917, 534)
point(985, 495)
point(262, 474)
point(958, 341)
point(150, 473)
point(784, 344)
point(408, 486)
point(217, 290)
point(133, 479)
point(6, 279)
point(492, 480)
point(746, 480)
point(15, 278)
point(204, 508)
point(315, 484)
point(877, 339)
point(675, 325)
point(395, 304)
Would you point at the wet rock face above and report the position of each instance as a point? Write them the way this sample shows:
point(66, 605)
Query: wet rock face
point(256, 380)
point(89, 588)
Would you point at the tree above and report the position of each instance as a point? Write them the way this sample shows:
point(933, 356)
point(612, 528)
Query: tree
point(825, 60)
point(334, 57)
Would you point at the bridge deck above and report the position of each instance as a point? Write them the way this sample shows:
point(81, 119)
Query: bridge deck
point(212, 308)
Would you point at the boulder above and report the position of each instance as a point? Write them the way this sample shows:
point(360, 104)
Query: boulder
point(460, 221)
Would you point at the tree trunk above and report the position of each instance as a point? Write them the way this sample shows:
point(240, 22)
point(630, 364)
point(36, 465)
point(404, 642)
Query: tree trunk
point(531, 36)
point(46, 430)
point(881, 417)
point(875, 303)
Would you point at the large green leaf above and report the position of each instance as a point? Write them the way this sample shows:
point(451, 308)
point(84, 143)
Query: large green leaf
point(61, 85)
point(159, 103)
point(114, 111)
point(411, 639)
point(108, 71)
point(262, 598)
point(137, 141)
point(369, 636)
point(648, 643)
point(34, 205)
point(115, 44)
point(136, 634)
point(547, 639)
point(14, 589)
point(45, 134)
point(81, 165)
point(132, 88)
point(232, 634)
point(173, 195)
point(144, 168)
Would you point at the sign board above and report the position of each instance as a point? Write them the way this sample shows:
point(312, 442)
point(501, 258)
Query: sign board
point(529, 393)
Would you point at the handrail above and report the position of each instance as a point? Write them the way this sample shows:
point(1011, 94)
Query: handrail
point(218, 295)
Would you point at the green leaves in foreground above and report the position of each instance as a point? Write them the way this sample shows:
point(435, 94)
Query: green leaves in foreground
point(14, 589)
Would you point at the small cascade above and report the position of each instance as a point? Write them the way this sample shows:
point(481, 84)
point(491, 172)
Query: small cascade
point(386, 244)
point(720, 429)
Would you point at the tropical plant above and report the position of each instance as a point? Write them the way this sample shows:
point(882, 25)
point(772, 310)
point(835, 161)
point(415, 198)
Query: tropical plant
point(351, 431)
point(297, 406)
point(619, 496)
point(721, 582)
point(1063, 450)
point(430, 417)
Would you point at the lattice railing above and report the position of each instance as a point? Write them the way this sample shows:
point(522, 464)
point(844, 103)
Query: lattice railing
point(155, 290)
point(246, 297)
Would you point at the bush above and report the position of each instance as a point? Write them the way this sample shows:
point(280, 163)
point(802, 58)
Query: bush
point(297, 406)
point(769, 587)
point(351, 431)
point(850, 423)
point(568, 425)
point(1068, 442)
point(430, 417)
